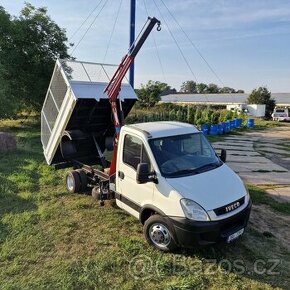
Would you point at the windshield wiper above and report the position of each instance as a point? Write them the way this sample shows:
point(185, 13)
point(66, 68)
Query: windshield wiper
point(194, 171)
point(181, 172)
point(207, 166)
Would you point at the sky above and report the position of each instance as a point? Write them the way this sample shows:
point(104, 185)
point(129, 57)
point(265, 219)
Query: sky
point(245, 42)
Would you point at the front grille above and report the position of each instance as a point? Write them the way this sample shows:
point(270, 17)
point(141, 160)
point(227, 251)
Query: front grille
point(223, 209)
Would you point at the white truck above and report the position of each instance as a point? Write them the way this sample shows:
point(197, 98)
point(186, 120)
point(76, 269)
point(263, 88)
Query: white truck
point(170, 178)
point(166, 174)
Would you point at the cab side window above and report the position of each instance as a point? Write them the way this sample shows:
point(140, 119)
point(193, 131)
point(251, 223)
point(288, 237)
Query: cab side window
point(134, 152)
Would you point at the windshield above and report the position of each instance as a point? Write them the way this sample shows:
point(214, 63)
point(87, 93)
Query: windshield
point(183, 155)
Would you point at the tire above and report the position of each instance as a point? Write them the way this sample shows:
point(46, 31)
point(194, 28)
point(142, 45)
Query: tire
point(96, 194)
point(84, 180)
point(158, 233)
point(73, 182)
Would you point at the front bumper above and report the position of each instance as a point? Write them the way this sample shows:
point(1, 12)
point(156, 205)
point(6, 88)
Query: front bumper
point(190, 233)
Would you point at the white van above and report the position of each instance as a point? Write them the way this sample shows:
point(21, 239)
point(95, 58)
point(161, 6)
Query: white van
point(281, 114)
point(171, 179)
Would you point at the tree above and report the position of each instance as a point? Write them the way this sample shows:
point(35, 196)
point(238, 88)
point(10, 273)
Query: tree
point(213, 89)
point(149, 94)
point(29, 45)
point(227, 90)
point(201, 88)
point(262, 95)
point(188, 87)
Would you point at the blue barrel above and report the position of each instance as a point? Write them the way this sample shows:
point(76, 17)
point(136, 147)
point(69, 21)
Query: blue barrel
point(220, 129)
point(250, 123)
point(224, 125)
point(239, 123)
point(228, 126)
point(205, 129)
point(213, 130)
point(233, 124)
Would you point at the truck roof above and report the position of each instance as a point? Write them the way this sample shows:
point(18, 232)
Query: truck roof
point(163, 128)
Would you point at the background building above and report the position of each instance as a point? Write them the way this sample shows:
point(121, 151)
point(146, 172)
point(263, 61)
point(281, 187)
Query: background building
point(229, 101)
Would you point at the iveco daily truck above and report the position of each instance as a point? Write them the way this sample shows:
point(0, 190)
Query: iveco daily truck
point(166, 174)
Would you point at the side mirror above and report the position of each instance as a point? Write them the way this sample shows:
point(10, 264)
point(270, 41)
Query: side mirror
point(223, 156)
point(142, 175)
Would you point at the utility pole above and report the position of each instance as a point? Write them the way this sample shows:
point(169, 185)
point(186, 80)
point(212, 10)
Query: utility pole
point(132, 38)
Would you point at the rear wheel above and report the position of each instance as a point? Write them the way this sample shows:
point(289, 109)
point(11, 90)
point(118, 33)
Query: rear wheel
point(96, 193)
point(158, 233)
point(73, 182)
point(84, 179)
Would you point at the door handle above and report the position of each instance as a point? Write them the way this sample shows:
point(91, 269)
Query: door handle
point(121, 174)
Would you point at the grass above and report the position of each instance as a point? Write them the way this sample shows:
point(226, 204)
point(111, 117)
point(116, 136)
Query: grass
point(261, 124)
point(50, 239)
point(259, 196)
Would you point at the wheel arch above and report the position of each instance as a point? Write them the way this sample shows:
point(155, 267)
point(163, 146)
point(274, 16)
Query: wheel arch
point(148, 210)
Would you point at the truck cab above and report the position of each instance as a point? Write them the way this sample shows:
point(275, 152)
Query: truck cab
point(170, 178)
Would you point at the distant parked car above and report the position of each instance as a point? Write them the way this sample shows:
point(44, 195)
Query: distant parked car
point(281, 115)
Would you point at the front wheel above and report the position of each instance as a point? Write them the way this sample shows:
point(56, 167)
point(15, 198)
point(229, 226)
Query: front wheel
point(158, 233)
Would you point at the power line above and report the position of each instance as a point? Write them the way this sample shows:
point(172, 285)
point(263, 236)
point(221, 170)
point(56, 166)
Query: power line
point(82, 24)
point(194, 45)
point(156, 48)
point(89, 27)
point(110, 39)
point(176, 42)
point(113, 30)
point(179, 48)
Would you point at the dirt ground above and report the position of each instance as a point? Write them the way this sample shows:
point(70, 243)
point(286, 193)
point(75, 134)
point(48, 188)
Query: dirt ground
point(271, 224)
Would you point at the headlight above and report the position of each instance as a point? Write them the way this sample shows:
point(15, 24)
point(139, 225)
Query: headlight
point(193, 211)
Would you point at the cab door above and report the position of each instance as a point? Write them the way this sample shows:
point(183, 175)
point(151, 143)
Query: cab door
point(133, 195)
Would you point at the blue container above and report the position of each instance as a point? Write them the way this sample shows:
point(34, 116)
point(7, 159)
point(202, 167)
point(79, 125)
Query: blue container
point(239, 123)
point(220, 129)
point(205, 129)
point(228, 126)
point(233, 124)
point(213, 130)
point(225, 126)
point(250, 123)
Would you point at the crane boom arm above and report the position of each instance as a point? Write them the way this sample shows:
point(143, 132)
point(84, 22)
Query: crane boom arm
point(114, 86)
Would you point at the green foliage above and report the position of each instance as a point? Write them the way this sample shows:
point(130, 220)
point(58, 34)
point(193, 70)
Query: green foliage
point(227, 90)
point(50, 239)
point(213, 89)
point(201, 88)
point(260, 196)
point(225, 115)
point(262, 95)
point(188, 87)
point(192, 87)
point(149, 94)
point(196, 115)
point(29, 45)
point(215, 117)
